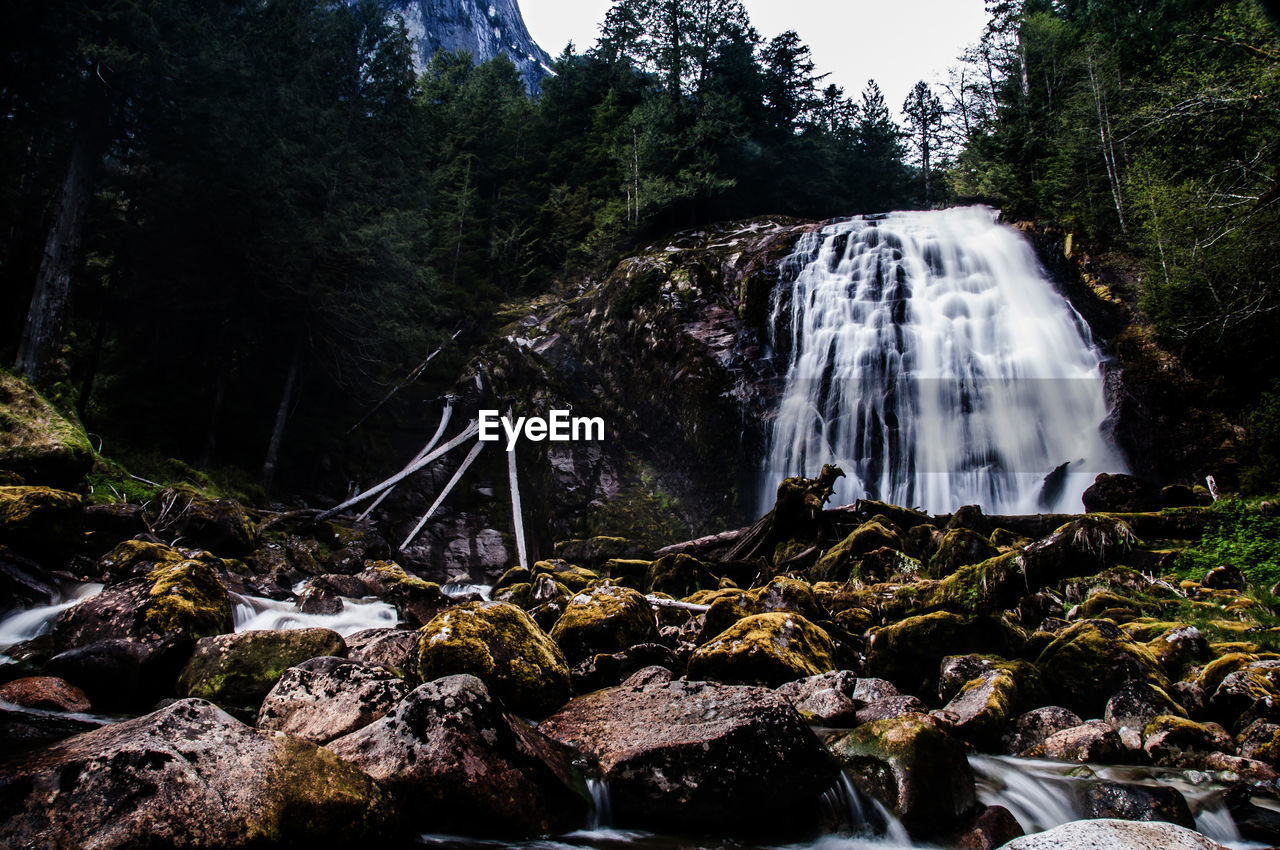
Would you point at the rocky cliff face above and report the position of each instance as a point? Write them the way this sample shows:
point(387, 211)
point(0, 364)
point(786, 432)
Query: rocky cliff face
point(485, 28)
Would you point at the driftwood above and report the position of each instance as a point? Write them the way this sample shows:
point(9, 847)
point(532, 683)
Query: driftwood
point(453, 482)
point(516, 515)
point(301, 513)
point(711, 541)
point(659, 602)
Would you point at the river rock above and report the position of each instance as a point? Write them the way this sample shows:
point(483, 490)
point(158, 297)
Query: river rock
point(604, 620)
point(393, 649)
point(40, 522)
point(841, 561)
point(605, 671)
point(826, 698)
point(887, 708)
point(416, 600)
point(184, 597)
point(1095, 741)
point(237, 671)
point(909, 652)
point(780, 594)
point(1246, 695)
point(220, 525)
point(1261, 741)
point(39, 444)
point(765, 649)
point(1137, 803)
point(992, 828)
point(867, 690)
point(1114, 835)
point(501, 645)
point(44, 692)
point(23, 584)
point(699, 756)
point(980, 711)
point(1120, 493)
point(957, 548)
point(1091, 660)
point(1175, 741)
point(327, 697)
point(678, 575)
point(913, 768)
point(1031, 729)
point(1138, 703)
point(124, 675)
point(25, 729)
point(188, 775)
point(459, 764)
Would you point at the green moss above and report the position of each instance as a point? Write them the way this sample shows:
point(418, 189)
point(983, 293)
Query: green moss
point(36, 441)
point(188, 596)
point(960, 547)
point(397, 579)
point(236, 671)
point(572, 577)
point(839, 562)
point(642, 511)
point(604, 619)
point(765, 649)
point(1237, 534)
point(129, 553)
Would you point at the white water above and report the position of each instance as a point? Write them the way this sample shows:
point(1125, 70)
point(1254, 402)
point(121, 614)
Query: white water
point(933, 361)
point(251, 613)
point(26, 625)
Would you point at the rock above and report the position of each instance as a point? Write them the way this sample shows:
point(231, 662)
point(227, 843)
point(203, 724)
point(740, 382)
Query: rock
point(1137, 803)
point(1090, 660)
point(23, 584)
point(826, 698)
point(113, 522)
point(1120, 493)
point(992, 828)
point(1031, 729)
point(607, 670)
point(1138, 703)
point(45, 692)
point(841, 561)
point(38, 443)
point(458, 763)
point(502, 646)
point(237, 671)
point(699, 756)
point(187, 776)
point(219, 525)
point(124, 675)
point(40, 522)
point(888, 708)
point(604, 620)
point(327, 697)
point(574, 578)
point(1175, 741)
point(183, 597)
point(1246, 695)
point(957, 548)
point(780, 594)
point(679, 575)
point(1117, 834)
point(24, 729)
point(595, 552)
point(417, 601)
point(980, 711)
point(766, 649)
point(913, 768)
point(318, 600)
point(1178, 648)
point(1226, 576)
point(1237, 769)
point(1260, 741)
point(1094, 741)
point(392, 649)
point(867, 690)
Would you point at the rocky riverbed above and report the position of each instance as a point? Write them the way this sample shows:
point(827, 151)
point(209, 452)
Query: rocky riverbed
point(194, 672)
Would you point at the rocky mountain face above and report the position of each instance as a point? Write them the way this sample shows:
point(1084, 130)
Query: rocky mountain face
point(485, 28)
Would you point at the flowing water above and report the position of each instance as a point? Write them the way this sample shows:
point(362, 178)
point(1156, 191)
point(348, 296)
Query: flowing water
point(251, 613)
point(932, 360)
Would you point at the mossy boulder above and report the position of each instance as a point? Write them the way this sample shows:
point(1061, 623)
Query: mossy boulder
point(679, 575)
point(780, 594)
point(631, 572)
point(237, 671)
point(1174, 740)
point(841, 560)
point(573, 577)
point(980, 711)
point(912, 767)
point(908, 653)
point(191, 776)
point(1137, 703)
point(128, 555)
point(960, 547)
point(36, 442)
point(1090, 660)
point(1105, 605)
point(185, 598)
point(765, 649)
point(40, 522)
point(1221, 667)
point(604, 620)
point(220, 525)
point(416, 599)
point(1246, 695)
point(502, 646)
point(595, 552)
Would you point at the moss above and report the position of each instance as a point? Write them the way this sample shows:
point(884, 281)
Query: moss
point(604, 619)
point(397, 579)
point(765, 649)
point(1089, 662)
point(188, 596)
point(839, 562)
point(127, 554)
point(311, 795)
point(780, 594)
point(679, 575)
point(36, 441)
point(236, 671)
point(38, 521)
point(501, 645)
point(642, 511)
point(1218, 669)
point(1104, 604)
point(572, 577)
point(960, 547)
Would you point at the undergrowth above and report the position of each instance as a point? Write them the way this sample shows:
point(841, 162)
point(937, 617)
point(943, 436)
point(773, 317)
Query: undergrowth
point(1237, 534)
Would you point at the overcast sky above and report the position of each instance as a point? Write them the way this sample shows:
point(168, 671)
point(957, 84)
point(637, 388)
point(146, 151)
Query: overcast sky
point(896, 42)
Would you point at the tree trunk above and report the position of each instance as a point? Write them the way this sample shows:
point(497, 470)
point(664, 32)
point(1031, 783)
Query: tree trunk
point(282, 415)
point(42, 334)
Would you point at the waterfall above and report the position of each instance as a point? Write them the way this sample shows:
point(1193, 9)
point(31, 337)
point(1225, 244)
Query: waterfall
point(932, 360)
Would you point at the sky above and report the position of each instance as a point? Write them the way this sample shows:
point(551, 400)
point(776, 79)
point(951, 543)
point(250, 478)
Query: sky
point(896, 42)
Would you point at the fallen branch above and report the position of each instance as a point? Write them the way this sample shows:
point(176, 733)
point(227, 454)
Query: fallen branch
point(431, 444)
point(453, 482)
point(709, 542)
point(659, 602)
point(407, 379)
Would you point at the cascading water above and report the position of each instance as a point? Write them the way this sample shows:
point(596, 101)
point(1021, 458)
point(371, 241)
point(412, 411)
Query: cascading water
point(931, 359)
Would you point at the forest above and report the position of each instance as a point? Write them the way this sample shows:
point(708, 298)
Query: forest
point(246, 223)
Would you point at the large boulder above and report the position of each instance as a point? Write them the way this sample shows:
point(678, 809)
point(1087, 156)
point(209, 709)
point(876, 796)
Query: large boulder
point(459, 764)
point(981, 709)
point(826, 698)
point(1249, 694)
point(188, 775)
point(603, 620)
point(1090, 660)
point(124, 675)
point(1121, 493)
point(914, 769)
point(503, 647)
point(1138, 803)
point(237, 671)
point(780, 594)
point(765, 649)
point(174, 597)
point(44, 692)
point(417, 600)
point(220, 525)
point(393, 649)
point(960, 547)
point(327, 697)
point(699, 756)
point(1129, 835)
point(840, 562)
point(909, 652)
point(40, 522)
point(37, 442)
point(1030, 730)
point(1094, 741)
